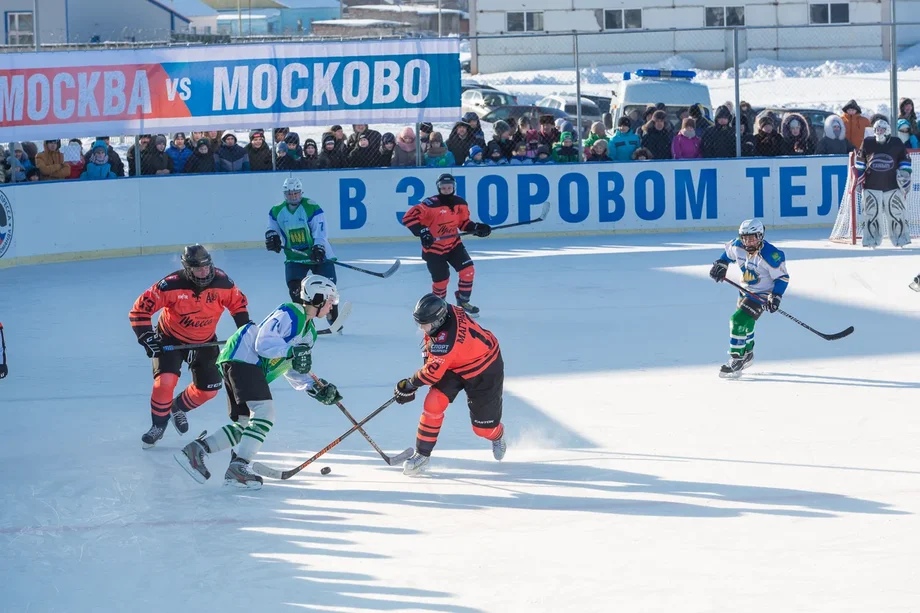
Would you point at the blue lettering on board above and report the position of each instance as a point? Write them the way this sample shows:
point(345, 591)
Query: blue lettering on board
point(610, 189)
point(787, 190)
point(352, 210)
point(758, 175)
point(707, 193)
point(582, 206)
point(641, 186)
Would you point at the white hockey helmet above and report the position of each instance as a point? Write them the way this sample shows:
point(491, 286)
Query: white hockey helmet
point(882, 130)
point(317, 290)
point(751, 234)
point(293, 190)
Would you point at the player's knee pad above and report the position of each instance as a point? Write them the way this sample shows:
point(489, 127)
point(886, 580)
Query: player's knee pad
point(489, 433)
point(439, 288)
point(164, 384)
point(752, 306)
point(467, 274)
point(435, 405)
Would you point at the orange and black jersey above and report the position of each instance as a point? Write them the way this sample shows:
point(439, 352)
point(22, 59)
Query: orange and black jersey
point(190, 313)
point(444, 216)
point(461, 346)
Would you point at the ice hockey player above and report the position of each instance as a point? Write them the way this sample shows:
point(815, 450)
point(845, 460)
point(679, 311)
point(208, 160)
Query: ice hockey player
point(438, 221)
point(298, 226)
point(459, 355)
point(763, 273)
point(883, 170)
point(192, 301)
point(253, 357)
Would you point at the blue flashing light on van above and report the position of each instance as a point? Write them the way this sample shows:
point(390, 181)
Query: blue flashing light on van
point(655, 73)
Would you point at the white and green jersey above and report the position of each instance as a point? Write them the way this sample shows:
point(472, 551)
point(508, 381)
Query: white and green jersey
point(268, 344)
point(300, 229)
point(761, 272)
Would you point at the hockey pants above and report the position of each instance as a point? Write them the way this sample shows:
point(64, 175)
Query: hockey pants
point(880, 206)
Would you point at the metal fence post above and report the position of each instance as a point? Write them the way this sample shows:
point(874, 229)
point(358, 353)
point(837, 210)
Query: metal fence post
point(579, 146)
point(737, 93)
point(893, 120)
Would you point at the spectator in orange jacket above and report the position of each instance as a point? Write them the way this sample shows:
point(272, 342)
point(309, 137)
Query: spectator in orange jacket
point(50, 162)
point(855, 123)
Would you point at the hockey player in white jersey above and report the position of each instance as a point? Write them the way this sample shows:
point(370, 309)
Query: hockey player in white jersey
point(763, 273)
point(253, 357)
point(883, 171)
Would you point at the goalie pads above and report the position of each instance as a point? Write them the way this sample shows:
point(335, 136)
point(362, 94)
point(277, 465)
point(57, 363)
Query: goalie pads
point(904, 180)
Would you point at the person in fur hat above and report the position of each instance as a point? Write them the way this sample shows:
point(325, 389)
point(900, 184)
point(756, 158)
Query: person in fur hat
point(767, 141)
point(834, 141)
point(796, 135)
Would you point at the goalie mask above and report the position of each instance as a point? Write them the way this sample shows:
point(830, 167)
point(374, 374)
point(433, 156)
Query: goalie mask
point(882, 130)
point(751, 235)
point(317, 290)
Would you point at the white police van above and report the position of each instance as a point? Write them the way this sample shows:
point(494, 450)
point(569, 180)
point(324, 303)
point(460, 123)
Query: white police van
point(647, 86)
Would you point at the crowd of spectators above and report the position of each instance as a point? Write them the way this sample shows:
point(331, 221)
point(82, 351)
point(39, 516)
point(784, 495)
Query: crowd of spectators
point(638, 136)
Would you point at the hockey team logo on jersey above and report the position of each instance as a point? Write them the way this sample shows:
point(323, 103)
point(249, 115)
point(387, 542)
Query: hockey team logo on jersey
point(881, 163)
point(6, 224)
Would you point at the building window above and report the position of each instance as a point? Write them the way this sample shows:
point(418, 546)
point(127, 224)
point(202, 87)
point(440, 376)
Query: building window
point(19, 29)
point(830, 13)
point(530, 21)
point(724, 16)
point(628, 19)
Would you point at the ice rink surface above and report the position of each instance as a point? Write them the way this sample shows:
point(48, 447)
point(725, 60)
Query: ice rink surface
point(636, 480)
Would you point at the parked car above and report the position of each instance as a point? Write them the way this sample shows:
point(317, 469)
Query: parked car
point(569, 105)
point(602, 102)
point(483, 101)
point(466, 84)
point(513, 113)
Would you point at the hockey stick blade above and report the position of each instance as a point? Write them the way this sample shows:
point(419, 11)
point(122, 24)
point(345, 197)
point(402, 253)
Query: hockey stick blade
point(914, 286)
point(401, 457)
point(838, 335)
point(380, 275)
point(339, 322)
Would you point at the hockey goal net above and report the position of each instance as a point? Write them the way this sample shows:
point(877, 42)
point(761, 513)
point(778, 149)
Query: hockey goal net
point(849, 225)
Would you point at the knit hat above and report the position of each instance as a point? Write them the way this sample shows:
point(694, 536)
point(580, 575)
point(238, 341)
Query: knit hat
point(328, 138)
point(624, 121)
point(256, 132)
point(425, 126)
point(178, 135)
point(99, 144)
point(475, 150)
point(309, 143)
point(388, 137)
point(282, 147)
point(659, 115)
point(161, 140)
point(203, 141)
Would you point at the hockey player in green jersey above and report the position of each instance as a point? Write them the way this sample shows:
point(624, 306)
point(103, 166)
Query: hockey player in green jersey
point(253, 357)
point(298, 226)
point(763, 273)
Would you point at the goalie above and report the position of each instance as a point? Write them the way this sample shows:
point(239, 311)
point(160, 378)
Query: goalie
point(883, 171)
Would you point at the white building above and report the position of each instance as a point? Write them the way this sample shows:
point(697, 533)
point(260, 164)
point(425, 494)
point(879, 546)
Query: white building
point(523, 28)
point(84, 21)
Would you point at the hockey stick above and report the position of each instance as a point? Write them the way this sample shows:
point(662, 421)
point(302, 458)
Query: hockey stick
point(382, 275)
point(539, 218)
point(395, 460)
point(193, 346)
point(827, 337)
point(274, 473)
point(4, 371)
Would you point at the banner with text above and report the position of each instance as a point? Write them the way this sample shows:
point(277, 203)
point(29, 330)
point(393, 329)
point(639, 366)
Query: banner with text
point(47, 95)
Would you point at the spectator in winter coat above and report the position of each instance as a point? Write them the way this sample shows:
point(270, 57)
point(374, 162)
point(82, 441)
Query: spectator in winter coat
point(565, 151)
point(362, 129)
point(686, 145)
point(284, 161)
point(139, 149)
point(502, 136)
point(642, 154)
point(834, 141)
point(460, 141)
point(50, 162)
point(293, 142)
point(621, 146)
point(748, 113)
point(719, 140)
point(157, 161)
point(549, 135)
point(118, 166)
point(19, 163)
point(404, 153)
point(79, 165)
point(767, 142)
point(698, 114)
point(520, 155)
point(332, 156)
point(475, 158)
point(363, 155)
point(656, 136)
point(748, 148)
point(855, 123)
point(520, 131)
point(597, 152)
point(796, 135)
point(438, 155)
point(231, 157)
point(202, 160)
point(278, 135)
point(909, 140)
point(179, 152)
point(98, 166)
point(906, 111)
point(424, 134)
point(543, 156)
point(598, 132)
point(385, 153)
point(472, 120)
point(494, 155)
point(310, 159)
point(259, 153)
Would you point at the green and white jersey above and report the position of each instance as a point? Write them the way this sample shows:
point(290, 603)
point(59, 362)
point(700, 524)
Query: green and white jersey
point(268, 344)
point(300, 229)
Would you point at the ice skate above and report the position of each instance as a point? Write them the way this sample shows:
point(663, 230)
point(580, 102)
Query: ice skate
point(732, 369)
point(191, 458)
point(416, 465)
point(179, 420)
point(472, 311)
point(239, 474)
point(151, 436)
point(498, 448)
point(747, 359)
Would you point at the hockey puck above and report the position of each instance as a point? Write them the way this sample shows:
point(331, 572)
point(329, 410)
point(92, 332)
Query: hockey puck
point(325, 470)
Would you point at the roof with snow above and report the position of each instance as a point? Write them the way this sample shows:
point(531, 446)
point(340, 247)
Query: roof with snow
point(310, 4)
point(392, 8)
point(362, 23)
point(187, 8)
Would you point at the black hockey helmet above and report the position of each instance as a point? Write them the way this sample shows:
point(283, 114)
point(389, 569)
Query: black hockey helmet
point(196, 256)
point(447, 179)
point(431, 309)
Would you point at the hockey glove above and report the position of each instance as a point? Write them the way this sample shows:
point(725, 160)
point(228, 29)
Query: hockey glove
point(773, 301)
point(151, 342)
point(301, 358)
point(904, 182)
point(325, 392)
point(318, 254)
point(273, 241)
point(718, 270)
point(404, 392)
point(426, 238)
point(482, 230)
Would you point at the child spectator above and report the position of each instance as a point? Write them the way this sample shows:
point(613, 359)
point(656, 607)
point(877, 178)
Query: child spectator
point(310, 159)
point(178, 152)
point(285, 161)
point(33, 174)
point(118, 166)
point(495, 155)
point(796, 135)
point(767, 143)
point(620, 148)
point(231, 157)
point(387, 147)
point(73, 155)
point(373, 142)
point(260, 155)
point(202, 160)
point(50, 162)
point(549, 135)
point(906, 111)
point(502, 137)
point(363, 155)
point(19, 163)
point(543, 156)
point(520, 155)
point(460, 141)
point(475, 158)
point(642, 154)
point(565, 152)
point(424, 134)
point(598, 132)
point(472, 120)
point(404, 153)
point(686, 144)
point(332, 155)
point(157, 161)
point(855, 123)
point(438, 156)
point(98, 166)
point(597, 152)
point(910, 140)
point(140, 148)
